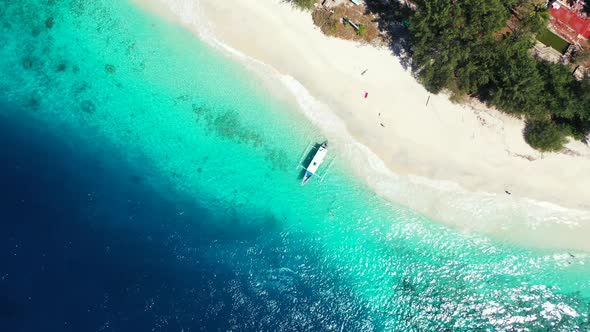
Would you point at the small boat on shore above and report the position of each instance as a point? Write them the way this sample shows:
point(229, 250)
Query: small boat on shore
point(315, 163)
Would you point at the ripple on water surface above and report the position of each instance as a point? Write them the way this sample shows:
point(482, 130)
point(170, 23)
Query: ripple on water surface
point(215, 156)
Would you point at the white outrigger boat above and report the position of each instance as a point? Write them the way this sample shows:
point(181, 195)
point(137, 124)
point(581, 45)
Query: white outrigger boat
point(315, 163)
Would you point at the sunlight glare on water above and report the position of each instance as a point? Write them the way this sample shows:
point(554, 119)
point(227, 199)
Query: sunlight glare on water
point(252, 249)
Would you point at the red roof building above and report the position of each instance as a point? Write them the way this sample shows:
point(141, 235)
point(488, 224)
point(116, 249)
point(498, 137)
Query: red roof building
point(571, 22)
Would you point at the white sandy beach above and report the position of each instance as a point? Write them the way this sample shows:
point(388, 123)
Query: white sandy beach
point(450, 162)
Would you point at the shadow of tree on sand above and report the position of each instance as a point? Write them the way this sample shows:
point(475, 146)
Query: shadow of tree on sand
point(393, 19)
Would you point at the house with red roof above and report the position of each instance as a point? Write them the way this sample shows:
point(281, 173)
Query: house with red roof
point(570, 21)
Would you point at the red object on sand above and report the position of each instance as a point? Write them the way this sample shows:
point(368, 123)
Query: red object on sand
point(366, 94)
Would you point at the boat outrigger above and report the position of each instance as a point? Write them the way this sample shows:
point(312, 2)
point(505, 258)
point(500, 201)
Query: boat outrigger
point(315, 163)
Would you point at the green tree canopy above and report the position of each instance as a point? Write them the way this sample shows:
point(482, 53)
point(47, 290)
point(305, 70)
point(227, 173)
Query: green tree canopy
point(469, 47)
point(545, 135)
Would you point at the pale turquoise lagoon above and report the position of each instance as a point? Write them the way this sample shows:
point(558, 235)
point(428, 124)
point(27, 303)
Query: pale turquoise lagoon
point(203, 134)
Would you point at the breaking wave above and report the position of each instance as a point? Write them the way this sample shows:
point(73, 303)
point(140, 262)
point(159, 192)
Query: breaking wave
point(521, 219)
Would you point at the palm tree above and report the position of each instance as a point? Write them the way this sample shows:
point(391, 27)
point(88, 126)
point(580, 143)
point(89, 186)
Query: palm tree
point(533, 16)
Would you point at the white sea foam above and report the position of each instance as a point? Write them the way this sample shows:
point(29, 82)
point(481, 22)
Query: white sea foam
point(190, 14)
point(445, 201)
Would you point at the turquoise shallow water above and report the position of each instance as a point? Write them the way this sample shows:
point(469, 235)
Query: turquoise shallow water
point(202, 132)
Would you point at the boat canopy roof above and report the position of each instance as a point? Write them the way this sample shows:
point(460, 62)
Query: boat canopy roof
point(319, 157)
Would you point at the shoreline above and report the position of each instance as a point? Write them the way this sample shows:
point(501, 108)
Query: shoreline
point(450, 162)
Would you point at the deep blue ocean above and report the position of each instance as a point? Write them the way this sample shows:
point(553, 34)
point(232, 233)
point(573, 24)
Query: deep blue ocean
point(85, 245)
point(149, 182)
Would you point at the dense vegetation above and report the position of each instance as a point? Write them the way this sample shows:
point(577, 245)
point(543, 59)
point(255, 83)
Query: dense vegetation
point(466, 47)
point(303, 4)
point(482, 48)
